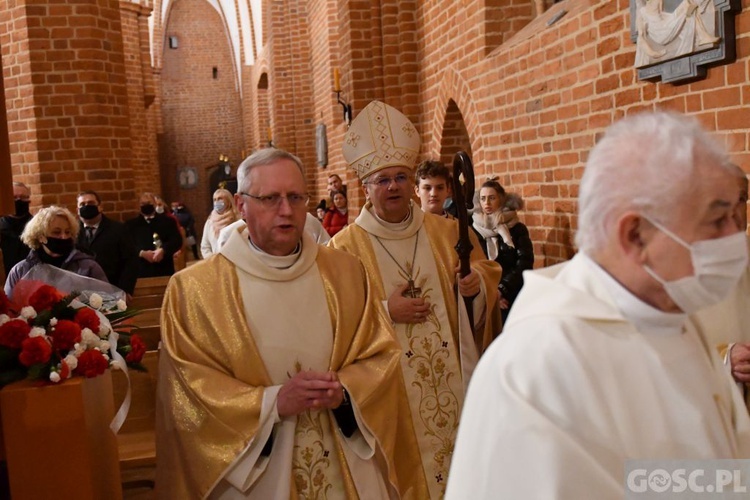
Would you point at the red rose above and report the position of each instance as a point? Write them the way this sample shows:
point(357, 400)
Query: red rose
point(91, 363)
point(4, 303)
point(14, 332)
point(34, 351)
point(44, 298)
point(65, 335)
point(64, 370)
point(87, 318)
point(137, 350)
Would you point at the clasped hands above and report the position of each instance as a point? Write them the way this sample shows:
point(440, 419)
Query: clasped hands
point(407, 310)
point(153, 255)
point(309, 390)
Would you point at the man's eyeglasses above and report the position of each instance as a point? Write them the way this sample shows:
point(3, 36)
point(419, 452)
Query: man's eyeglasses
point(384, 182)
point(295, 200)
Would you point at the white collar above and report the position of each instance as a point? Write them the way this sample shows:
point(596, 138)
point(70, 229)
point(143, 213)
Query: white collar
point(645, 317)
point(373, 224)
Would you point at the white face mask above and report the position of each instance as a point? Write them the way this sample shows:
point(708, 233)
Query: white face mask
point(160, 209)
point(219, 206)
point(718, 265)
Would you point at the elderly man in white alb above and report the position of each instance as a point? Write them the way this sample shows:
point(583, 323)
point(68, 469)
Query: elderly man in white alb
point(727, 324)
point(410, 259)
point(598, 363)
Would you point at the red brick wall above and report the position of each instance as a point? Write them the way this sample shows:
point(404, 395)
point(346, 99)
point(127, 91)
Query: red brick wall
point(141, 95)
point(67, 100)
point(534, 106)
point(528, 100)
point(202, 115)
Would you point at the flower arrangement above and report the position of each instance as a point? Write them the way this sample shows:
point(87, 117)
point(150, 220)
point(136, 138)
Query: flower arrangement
point(54, 336)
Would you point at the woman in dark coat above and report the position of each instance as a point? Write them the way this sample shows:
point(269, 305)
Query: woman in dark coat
point(504, 239)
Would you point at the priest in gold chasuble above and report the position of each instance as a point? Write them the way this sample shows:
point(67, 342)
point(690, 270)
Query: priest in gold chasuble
point(279, 374)
point(409, 256)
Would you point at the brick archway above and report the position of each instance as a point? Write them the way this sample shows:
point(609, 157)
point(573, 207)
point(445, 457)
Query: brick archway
point(454, 137)
point(455, 114)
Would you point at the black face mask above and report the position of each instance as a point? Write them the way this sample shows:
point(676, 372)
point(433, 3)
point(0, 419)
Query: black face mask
point(88, 211)
point(22, 208)
point(60, 246)
point(148, 209)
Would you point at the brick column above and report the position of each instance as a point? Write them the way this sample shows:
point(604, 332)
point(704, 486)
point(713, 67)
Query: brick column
point(66, 96)
point(141, 94)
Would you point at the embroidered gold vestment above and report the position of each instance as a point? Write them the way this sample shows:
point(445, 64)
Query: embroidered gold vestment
point(212, 378)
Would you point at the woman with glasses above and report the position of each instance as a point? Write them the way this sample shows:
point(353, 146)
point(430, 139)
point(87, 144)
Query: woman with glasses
point(504, 239)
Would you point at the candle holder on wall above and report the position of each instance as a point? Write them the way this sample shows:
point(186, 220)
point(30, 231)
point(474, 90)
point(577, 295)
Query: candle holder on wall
point(347, 109)
point(337, 88)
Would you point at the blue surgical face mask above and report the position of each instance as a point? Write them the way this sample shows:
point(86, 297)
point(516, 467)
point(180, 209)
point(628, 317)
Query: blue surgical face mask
point(718, 265)
point(219, 206)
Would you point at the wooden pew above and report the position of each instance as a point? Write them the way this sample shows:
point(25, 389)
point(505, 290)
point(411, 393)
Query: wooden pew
point(136, 439)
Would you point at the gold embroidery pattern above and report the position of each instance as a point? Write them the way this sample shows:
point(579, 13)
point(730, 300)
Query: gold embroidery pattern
point(352, 139)
point(439, 408)
point(311, 462)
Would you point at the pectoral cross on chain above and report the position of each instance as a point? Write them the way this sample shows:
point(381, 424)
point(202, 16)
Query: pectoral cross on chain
point(413, 291)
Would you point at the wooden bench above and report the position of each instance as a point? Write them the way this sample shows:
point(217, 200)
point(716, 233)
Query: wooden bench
point(148, 297)
point(136, 440)
point(151, 286)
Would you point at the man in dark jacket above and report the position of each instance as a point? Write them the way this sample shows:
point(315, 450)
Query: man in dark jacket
point(156, 238)
point(107, 241)
point(11, 227)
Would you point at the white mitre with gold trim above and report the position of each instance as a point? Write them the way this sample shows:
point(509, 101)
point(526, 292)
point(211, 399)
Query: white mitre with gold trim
point(380, 137)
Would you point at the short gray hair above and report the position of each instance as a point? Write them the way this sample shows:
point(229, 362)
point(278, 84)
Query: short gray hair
point(265, 156)
point(644, 163)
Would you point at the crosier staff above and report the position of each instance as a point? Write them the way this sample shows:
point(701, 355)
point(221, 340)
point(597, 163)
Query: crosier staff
point(463, 195)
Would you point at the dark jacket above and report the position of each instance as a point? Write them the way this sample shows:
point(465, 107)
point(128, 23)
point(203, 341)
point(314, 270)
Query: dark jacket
point(114, 251)
point(142, 231)
point(77, 262)
point(514, 261)
point(14, 250)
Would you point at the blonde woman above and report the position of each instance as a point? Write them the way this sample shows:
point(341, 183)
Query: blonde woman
point(51, 236)
point(223, 214)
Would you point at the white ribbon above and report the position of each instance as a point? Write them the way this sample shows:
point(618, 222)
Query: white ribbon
point(122, 412)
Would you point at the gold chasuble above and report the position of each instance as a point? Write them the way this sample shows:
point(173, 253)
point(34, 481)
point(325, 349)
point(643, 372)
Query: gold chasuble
point(420, 250)
point(237, 326)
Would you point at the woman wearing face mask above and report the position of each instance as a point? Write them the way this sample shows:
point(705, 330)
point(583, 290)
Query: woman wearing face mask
point(51, 235)
point(504, 239)
point(223, 214)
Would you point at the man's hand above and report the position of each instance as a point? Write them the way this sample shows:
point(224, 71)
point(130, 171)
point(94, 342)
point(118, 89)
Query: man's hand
point(309, 390)
point(158, 255)
point(147, 255)
point(405, 309)
point(740, 362)
point(468, 286)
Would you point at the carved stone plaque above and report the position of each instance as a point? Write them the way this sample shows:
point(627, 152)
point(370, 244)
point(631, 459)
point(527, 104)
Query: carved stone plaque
point(676, 40)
